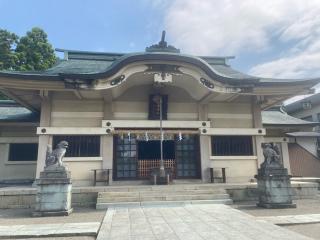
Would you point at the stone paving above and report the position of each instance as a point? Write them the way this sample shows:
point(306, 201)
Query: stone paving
point(189, 222)
point(292, 219)
point(49, 230)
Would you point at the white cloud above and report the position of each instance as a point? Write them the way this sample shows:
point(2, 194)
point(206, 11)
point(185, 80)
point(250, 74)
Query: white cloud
point(207, 26)
point(221, 27)
point(302, 60)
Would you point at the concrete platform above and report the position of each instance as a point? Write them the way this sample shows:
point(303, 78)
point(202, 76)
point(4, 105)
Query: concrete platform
point(190, 222)
point(25, 196)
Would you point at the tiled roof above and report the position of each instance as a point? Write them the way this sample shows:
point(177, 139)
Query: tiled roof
point(295, 106)
point(12, 112)
point(95, 65)
point(303, 134)
point(280, 118)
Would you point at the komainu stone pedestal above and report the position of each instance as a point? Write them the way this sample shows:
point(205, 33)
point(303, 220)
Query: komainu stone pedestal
point(274, 187)
point(54, 190)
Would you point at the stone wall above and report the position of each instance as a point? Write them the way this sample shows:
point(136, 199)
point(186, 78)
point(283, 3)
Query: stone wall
point(87, 196)
point(300, 190)
point(26, 198)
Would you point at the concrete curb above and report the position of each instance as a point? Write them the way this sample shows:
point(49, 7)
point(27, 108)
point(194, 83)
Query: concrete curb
point(49, 230)
point(289, 220)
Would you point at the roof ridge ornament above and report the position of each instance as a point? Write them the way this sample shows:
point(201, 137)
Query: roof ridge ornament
point(162, 46)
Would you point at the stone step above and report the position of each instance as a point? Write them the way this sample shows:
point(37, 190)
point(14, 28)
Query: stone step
point(163, 198)
point(176, 187)
point(160, 203)
point(118, 199)
point(161, 193)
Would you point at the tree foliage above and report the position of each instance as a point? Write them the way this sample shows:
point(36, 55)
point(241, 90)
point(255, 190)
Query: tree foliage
point(34, 52)
point(8, 58)
point(28, 53)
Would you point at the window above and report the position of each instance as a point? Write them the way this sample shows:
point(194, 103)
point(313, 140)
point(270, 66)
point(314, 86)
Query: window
point(154, 107)
point(80, 146)
point(231, 145)
point(23, 152)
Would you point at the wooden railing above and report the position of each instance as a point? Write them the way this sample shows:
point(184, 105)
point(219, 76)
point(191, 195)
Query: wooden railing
point(145, 166)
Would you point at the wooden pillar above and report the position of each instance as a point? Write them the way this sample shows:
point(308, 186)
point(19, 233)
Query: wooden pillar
point(257, 123)
point(205, 142)
point(203, 112)
point(285, 156)
point(44, 140)
point(107, 143)
point(107, 154)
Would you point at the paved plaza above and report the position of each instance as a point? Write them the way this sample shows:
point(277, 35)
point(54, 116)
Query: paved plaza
point(203, 221)
point(194, 222)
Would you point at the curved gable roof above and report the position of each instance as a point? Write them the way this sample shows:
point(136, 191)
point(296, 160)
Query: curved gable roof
point(100, 66)
point(94, 65)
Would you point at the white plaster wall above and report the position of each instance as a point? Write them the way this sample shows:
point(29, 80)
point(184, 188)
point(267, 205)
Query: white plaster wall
point(18, 131)
point(81, 173)
point(237, 170)
point(126, 110)
point(134, 104)
point(235, 115)
point(76, 113)
point(308, 143)
point(182, 111)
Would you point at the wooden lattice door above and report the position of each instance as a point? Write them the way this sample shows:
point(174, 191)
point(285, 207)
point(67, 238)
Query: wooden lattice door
point(187, 157)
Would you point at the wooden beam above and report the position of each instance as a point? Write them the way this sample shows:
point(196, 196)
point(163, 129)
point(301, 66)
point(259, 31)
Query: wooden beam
point(234, 131)
point(145, 124)
point(208, 97)
point(232, 97)
point(44, 94)
point(71, 130)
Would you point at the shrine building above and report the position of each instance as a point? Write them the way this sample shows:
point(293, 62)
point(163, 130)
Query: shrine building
point(104, 105)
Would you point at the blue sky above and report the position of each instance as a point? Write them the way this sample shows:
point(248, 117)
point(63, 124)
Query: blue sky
point(275, 38)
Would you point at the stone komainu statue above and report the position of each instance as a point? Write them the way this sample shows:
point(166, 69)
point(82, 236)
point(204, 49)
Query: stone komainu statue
point(55, 157)
point(271, 155)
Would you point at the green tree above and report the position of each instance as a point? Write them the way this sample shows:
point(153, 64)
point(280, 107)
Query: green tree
point(34, 52)
point(8, 58)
